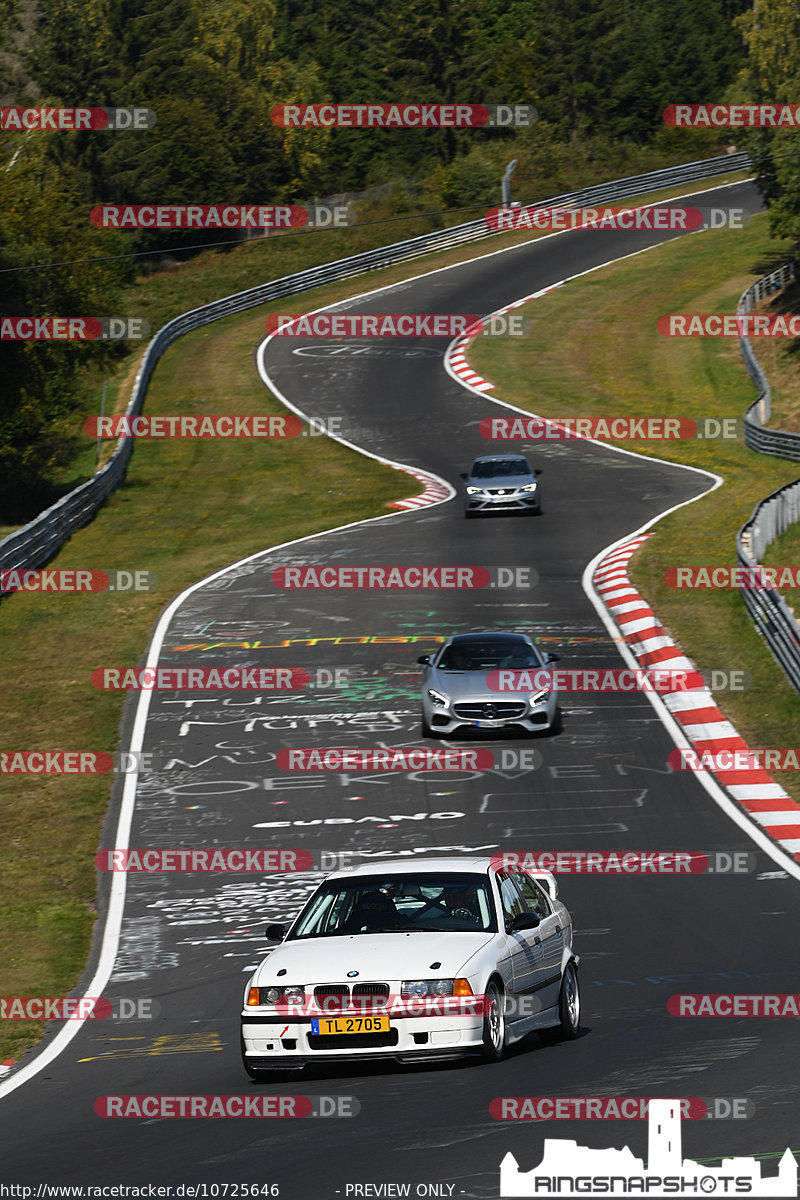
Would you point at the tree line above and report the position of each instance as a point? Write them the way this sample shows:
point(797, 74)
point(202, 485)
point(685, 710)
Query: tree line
point(599, 74)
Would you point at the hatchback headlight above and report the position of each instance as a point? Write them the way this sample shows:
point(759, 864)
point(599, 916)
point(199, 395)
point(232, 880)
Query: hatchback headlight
point(530, 487)
point(473, 491)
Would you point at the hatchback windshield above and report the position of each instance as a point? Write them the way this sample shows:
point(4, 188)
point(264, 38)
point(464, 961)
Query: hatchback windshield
point(427, 902)
point(499, 466)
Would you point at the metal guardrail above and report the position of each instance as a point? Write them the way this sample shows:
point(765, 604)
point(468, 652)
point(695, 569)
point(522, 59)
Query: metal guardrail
point(771, 615)
point(36, 542)
point(757, 436)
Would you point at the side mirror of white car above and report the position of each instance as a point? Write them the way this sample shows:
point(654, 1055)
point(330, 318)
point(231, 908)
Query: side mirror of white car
point(526, 920)
point(276, 933)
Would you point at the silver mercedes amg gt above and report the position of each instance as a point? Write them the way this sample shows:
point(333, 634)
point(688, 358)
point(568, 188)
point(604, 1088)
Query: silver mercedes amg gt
point(470, 684)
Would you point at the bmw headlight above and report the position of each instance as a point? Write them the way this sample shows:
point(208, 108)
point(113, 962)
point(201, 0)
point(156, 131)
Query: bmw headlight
point(290, 994)
point(437, 698)
point(436, 987)
point(427, 987)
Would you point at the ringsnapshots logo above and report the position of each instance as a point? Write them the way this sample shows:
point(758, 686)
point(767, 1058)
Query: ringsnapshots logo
point(569, 1170)
point(81, 119)
point(73, 329)
point(404, 116)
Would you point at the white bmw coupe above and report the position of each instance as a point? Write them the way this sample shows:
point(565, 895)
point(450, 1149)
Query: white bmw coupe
point(414, 961)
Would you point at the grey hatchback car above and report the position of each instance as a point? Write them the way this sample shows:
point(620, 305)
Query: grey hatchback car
point(501, 483)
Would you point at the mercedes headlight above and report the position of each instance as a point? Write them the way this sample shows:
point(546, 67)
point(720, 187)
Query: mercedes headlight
point(437, 698)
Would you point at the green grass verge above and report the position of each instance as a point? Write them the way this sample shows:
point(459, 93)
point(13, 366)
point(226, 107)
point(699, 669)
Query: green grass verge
point(625, 368)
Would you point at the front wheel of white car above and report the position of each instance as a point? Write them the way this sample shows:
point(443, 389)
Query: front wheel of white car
point(569, 1009)
point(494, 1024)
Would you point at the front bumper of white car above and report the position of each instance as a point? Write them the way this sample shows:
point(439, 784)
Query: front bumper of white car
point(278, 1042)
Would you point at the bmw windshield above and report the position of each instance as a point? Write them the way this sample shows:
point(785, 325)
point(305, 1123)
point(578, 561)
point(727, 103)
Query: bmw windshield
point(425, 902)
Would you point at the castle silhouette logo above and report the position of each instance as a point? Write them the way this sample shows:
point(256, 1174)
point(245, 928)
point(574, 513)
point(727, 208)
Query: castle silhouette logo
point(568, 1169)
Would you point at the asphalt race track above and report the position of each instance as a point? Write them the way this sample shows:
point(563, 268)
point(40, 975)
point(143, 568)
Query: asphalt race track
point(189, 941)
